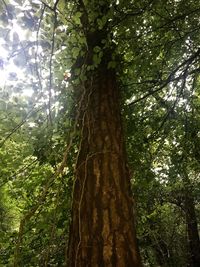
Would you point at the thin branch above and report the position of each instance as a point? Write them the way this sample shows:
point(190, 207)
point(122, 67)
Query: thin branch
point(171, 77)
point(6, 7)
point(171, 109)
point(124, 16)
point(51, 60)
point(18, 126)
point(55, 5)
point(37, 47)
point(18, 172)
point(180, 17)
point(54, 10)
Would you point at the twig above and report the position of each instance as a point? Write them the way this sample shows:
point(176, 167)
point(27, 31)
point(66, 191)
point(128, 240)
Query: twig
point(171, 77)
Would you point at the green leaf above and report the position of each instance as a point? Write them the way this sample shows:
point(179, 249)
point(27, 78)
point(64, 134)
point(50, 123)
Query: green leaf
point(75, 52)
point(112, 65)
point(76, 18)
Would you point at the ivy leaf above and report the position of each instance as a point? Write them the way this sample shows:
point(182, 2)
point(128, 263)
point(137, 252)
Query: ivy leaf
point(112, 65)
point(76, 18)
point(75, 52)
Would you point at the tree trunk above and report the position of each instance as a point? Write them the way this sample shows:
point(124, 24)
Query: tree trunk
point(102, 232)
point(191, 223)
point(192, 231)
point(162, 255)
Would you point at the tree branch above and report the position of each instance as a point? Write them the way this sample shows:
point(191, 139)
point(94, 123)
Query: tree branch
point(171, 77)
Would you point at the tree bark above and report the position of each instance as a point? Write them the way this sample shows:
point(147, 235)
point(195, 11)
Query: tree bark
point(102, 232)
point(192, 231)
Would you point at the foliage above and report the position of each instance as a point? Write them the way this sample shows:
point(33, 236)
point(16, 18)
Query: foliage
point(156, 56)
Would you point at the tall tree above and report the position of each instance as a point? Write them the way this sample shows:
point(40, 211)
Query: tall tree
point(102, 231)
point(136, 57)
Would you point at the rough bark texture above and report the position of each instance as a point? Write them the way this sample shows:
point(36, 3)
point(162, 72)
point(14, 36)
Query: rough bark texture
point(102, 232)
point(192, 231)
